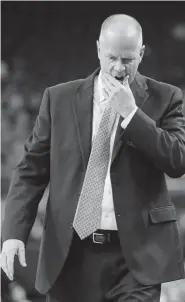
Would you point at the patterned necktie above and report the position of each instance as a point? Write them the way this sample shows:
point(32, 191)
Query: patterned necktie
point(88, 211)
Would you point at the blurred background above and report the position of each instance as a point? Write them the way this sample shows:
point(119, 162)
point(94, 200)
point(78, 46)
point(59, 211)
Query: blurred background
point(46, 43)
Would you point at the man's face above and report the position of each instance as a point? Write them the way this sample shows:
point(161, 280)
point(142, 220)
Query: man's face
point(119, 57)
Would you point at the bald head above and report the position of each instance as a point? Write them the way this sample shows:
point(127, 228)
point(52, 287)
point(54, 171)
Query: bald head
point(120, 46)
point(121, 27)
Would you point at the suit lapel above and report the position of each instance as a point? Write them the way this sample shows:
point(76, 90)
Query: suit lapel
point(83, 112)
point(140, 92)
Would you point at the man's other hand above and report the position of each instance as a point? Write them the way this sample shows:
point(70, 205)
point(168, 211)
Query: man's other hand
point(12, 247)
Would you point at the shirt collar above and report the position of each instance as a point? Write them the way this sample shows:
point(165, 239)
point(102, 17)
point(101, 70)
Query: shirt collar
point(102, 98)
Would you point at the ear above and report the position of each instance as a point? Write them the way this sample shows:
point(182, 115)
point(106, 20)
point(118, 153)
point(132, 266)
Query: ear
point(98, 48)
point(142, 51)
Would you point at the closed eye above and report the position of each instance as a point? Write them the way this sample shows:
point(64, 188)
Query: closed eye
point(127, 61)
point(112, 58)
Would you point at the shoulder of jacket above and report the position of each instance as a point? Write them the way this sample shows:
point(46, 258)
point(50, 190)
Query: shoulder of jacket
point(66, 86)
point(163, 87)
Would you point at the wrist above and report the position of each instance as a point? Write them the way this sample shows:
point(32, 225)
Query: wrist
point(128, 111)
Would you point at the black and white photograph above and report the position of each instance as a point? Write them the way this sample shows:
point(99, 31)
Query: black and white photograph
point(92, 151)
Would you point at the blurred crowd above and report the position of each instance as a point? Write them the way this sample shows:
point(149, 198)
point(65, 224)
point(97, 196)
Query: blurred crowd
point(19, 108)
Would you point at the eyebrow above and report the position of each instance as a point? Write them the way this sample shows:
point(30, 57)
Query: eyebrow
point(126, 58)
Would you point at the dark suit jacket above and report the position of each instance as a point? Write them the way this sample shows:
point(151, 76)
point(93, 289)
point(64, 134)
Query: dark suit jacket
point(57, 151)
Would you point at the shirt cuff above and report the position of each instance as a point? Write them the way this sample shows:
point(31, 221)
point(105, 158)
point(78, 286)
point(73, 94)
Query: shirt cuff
point(127, 120)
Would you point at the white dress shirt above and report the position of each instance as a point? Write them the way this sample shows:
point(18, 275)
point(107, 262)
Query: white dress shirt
point(108, 220)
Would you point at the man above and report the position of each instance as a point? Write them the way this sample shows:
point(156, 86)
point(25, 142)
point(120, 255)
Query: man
point(104, 144)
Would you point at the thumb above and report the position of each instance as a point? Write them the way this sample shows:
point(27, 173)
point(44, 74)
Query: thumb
point(125, 80)
point(21, 255)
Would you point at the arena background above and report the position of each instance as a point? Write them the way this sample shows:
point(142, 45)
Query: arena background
point(45, 43)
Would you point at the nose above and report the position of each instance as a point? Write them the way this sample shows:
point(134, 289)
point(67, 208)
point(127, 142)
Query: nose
point(119, 67)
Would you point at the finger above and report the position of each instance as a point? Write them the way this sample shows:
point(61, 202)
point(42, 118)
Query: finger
point(110, 88)
point(109, 80)
point(106, 84)
point(21, 256)
point(125, 80)
point(107, 90)
point(106, 93)
point(10, 264)
point(113, 82)
point(4, 264)
point(3, 261)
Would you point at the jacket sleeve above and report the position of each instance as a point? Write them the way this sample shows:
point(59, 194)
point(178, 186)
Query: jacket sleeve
point(165, 146)
point(29, 179)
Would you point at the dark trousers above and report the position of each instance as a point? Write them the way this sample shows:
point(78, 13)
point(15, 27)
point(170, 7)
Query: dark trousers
point(98, 273)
